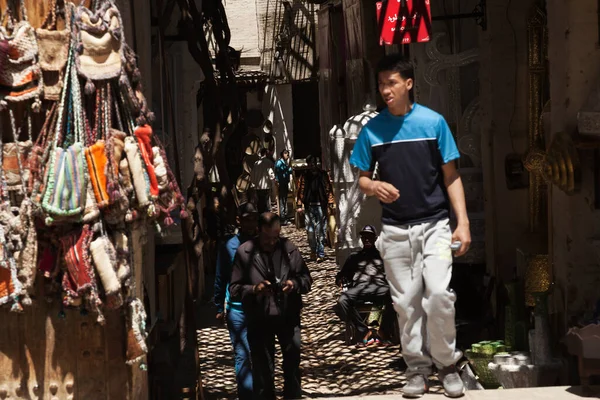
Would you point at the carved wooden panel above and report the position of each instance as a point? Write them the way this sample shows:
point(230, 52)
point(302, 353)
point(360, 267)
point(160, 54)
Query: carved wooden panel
point(354, 31)
point(46, 356)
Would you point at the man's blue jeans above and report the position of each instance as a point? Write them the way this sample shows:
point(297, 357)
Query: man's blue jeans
point(316, 223)
point(238, 332)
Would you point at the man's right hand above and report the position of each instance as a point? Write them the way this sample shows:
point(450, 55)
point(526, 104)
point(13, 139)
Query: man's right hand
point(220, 317)
point(263, 288)
point(385, 192)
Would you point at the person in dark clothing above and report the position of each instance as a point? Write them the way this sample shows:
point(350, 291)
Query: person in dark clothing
point(363, 272)
point(283, 173)
point(269, 276)
point(315, 198)
point(236, 320)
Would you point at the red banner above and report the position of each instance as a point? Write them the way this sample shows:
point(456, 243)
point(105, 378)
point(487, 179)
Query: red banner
point(404, 21)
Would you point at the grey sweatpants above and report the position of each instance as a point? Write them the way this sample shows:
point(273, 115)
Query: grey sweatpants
point(418, 266)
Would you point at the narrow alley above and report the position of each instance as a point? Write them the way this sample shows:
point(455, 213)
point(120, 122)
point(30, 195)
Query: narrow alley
point(330, 367)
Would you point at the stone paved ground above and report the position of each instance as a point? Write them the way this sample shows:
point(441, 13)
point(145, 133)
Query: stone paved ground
point(330, 367)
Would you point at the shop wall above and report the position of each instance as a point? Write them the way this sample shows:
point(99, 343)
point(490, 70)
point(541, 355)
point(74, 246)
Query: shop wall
point(574, 64)
point(243, 22)
point(503, 93)
point(277, 107)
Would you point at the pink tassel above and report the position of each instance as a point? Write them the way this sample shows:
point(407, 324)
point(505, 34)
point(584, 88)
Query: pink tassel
point(184, 214)
point(168, 221)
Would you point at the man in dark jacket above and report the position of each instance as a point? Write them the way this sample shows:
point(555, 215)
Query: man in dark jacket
point(315, 198)
point(269, 276)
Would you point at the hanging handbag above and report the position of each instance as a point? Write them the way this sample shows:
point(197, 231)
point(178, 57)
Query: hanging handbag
point(53, 47)
point(20, 72)
point(66, 187)
point(79, 279)
point(104, 256)
point(99, 40)
point(16, 157)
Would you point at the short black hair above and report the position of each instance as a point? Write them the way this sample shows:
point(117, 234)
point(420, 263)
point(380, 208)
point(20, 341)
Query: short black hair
point(397, 63)
point(263, 152)
point(268, 219)
point(283, 152)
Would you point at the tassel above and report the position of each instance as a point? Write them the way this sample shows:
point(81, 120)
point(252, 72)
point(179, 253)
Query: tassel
point(27, 301)
point(168, 221)
point(90, 88)
point(184, 214)
point(114, 192)
point(16, 307)
point(157, 228)
point(3, 105)
point(36, 106)
point(152, 212)
point(136, 76)
point(123, 81)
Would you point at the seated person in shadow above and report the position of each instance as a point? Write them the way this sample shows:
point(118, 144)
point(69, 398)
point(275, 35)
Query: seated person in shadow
point(364, 277)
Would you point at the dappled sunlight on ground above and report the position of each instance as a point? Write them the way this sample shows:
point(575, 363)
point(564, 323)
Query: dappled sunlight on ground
point(329, 366)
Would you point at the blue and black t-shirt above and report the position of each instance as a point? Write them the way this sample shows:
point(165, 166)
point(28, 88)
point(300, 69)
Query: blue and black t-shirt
point(410, 150)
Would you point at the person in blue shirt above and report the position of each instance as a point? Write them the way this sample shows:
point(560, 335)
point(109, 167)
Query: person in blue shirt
point(418, 181)
point(283, 172)
point(236, 320)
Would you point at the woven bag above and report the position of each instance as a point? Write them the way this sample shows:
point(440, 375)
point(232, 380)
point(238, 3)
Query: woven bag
point(20, 73)
point(53, 47)
point(99, 40)
point(66, 177)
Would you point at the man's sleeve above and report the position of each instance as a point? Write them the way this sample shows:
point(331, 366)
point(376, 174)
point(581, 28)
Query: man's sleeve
point(361, 157)
point(446, 143)
point(238, 287)
point(302, 280)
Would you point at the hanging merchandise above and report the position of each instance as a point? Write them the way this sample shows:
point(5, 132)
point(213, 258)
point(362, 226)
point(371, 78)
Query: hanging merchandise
point(54, 48)
point(64, 194)
point(80, 193)
point(99, 36)
point(20, 73)
point(79, 281)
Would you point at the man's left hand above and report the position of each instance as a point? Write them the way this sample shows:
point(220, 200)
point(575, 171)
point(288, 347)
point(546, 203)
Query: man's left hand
point(462, 234)
point(288, 286)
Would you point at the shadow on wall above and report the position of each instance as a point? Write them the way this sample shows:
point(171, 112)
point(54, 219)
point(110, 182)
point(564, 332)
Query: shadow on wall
point(277, 108)
point(291, 53)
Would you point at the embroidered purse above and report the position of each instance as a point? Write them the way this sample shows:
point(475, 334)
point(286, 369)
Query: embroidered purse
point(99, 36)
point(65, 190)
point(54, 49)
point(20, 73)
point(79, 280)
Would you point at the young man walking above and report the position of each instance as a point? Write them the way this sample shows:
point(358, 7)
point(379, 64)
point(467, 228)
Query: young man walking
point(415, 152)
point(236, 319)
